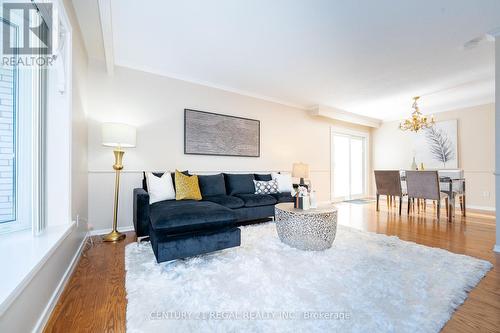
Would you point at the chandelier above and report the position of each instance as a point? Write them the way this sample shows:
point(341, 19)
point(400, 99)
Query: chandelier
point(417, 121)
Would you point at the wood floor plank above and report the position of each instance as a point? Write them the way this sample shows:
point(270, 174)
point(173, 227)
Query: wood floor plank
point(94, 300)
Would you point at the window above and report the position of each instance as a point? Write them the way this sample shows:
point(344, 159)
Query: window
point(22, 114)
point(8, 78)
point(348, 165)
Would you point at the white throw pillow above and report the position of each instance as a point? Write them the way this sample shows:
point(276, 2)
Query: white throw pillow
point(160, 188)
point(285, 183)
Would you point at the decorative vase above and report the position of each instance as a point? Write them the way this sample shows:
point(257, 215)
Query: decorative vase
point(422, 167)
point(312, 197)
point(414, 164)
point(306, 203)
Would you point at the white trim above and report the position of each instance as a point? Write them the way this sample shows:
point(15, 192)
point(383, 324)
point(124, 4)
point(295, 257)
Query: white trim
point(485, 208)
point(33, 272)
point(208, 172)
point(38, 148)
point(342, 115)
point(347, 131)
point(108, 230)
point(69, 91)
point(42, 321)
point(65, 21)
point(105, 15)
point(496, 248)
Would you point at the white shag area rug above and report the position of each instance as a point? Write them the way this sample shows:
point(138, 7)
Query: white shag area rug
point(366, 282)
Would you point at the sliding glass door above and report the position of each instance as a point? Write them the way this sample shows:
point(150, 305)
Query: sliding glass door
point(348, 166)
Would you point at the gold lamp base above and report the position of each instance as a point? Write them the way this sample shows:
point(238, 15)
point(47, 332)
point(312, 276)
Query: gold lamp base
point(113, 236)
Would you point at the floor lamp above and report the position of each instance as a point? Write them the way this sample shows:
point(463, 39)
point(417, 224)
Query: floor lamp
point(118, 136)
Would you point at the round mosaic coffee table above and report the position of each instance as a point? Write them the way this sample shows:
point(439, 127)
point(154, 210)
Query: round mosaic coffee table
point(312, 229)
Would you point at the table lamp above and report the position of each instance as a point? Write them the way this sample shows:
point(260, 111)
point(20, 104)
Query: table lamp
point(300, 170)
point(118, 136)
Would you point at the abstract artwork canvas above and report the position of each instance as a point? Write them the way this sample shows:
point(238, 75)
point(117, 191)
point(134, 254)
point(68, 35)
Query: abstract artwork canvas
point(436, 147)
point(207, 133)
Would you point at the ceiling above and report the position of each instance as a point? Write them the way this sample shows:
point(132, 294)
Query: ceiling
point(362, 56)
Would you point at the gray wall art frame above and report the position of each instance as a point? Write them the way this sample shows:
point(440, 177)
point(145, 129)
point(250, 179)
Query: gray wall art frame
point(207, 133)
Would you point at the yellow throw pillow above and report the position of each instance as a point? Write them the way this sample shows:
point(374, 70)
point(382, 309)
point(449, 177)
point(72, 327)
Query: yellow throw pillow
point(186, 187)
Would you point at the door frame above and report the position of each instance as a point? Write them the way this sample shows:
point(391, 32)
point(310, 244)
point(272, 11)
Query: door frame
point(349, 132)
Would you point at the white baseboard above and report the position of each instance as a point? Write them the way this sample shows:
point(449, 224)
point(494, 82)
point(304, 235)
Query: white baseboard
point(108, 230)
point(496, 248)
point(44, 318)
point(486, 208)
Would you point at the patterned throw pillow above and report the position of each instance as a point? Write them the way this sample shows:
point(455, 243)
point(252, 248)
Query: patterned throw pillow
point(266, 187)
point(187, 187)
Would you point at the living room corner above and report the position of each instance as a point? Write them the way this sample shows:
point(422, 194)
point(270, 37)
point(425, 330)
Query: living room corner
point(46, 262)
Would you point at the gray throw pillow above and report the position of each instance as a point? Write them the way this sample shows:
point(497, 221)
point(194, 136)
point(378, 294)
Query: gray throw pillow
point(266, 187)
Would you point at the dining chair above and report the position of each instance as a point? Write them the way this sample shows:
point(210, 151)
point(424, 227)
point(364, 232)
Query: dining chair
point(388, 183)
point(425, 185)
point(454, 179)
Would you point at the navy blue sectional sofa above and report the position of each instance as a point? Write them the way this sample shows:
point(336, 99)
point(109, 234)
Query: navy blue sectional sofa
point(180, 229)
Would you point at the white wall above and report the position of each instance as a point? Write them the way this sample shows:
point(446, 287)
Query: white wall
point(29, 308)
point(476, 131)
point(497, 137)
point(155, 104)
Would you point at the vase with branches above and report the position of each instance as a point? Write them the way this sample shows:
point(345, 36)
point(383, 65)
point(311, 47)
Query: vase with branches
point(440, 145)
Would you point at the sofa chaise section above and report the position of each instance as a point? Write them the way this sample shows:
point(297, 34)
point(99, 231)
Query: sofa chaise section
point(181, 229)
point(168, 247)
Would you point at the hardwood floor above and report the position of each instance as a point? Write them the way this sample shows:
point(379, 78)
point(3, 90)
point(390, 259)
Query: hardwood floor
point(94, 299)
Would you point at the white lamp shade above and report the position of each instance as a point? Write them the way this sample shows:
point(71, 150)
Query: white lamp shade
point(300, 170)
point(118, 135)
